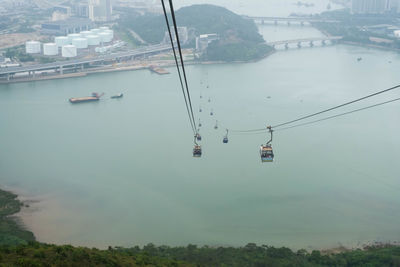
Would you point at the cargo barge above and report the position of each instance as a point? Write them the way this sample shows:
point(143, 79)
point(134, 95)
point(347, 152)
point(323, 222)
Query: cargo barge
point(94, 97)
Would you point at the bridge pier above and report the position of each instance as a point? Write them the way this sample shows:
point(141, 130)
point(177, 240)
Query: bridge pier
point(311, 44)
point(8, 76)
point(262, 22)
point(275, 22)
point(286, 46)
point(323, 42)
point(299, 44)
point(288, 23)
point(82, 67)
point(61, 70)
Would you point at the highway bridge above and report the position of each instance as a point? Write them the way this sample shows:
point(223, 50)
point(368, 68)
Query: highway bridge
point(310, 41)
point(7, 73)
point(289, 20)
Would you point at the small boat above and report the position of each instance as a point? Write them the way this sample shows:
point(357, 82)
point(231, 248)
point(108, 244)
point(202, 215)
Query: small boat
point(359, 59)
point(118, 96)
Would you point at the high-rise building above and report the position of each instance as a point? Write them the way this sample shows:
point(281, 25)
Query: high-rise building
point(81, 10)
point(393, 5)
point(100, 10)
point(369, 6)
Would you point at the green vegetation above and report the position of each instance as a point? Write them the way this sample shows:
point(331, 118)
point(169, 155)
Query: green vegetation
point(38, 254)
point(243, 51)
point(18, 52)
point(125, 35)
point(355, 28)
point(11, 233)
point(239, 37)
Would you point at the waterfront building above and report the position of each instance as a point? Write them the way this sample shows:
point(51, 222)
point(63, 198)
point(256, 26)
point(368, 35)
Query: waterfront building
point(204, 40)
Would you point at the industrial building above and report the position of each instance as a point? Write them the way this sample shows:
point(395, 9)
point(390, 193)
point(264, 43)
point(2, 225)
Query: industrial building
point(64, 27)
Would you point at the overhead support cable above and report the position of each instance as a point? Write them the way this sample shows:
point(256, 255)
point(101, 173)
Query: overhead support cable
point(188, 108)
point(336, 107)
point(320, 112)
point(181, 57)
point(339, 115)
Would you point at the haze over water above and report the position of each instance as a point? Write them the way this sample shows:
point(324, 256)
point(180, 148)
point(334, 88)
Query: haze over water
point(120, 172)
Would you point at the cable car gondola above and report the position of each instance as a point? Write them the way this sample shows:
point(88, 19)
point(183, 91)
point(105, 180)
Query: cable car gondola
point(211, 113)
point(197, 151)
point(198, 137)
point(216, 125)
point(197, 147)
point(200, 123)
point(225, 140)
point(266, 152)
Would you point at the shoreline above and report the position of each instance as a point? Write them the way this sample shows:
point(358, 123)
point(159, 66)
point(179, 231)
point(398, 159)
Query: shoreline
point(13, 230)
point(128, 67)
point(25, 209)
point(166, 64)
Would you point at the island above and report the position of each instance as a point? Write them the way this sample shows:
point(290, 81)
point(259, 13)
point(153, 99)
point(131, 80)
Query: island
point(216, 33)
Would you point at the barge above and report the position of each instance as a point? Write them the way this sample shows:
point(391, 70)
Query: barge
point(94, 97)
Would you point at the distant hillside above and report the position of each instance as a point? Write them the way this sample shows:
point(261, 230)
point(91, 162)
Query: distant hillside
point(239, 37)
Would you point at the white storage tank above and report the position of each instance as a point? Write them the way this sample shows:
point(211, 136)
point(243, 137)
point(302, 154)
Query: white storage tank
point(110, 32)
point(95, 31)
point(61, 40)
point(103, 29)
point(105, 37)
point(69, 51)
point(93, 39)
point(32, 47)
point(50, 49)
point(72, 36)
point(80, 43)
point(85, 33)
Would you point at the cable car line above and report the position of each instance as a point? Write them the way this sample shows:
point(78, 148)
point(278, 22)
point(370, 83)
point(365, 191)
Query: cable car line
point(317, 113)
point(181, 58)
point(336, 107)
point(177, 67)
point(339, 115)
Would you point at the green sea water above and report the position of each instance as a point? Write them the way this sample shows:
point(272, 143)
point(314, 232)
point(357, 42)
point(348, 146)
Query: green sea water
point(120, 172)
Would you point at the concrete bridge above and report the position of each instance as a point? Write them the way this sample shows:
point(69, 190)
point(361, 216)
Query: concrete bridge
point(310, 41)
point(60, 66)
point(290, 20)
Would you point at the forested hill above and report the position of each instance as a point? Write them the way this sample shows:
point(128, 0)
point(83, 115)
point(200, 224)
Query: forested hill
point(239, 37)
